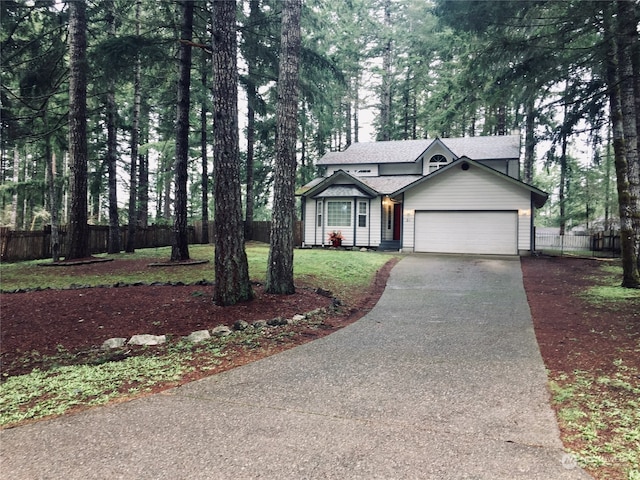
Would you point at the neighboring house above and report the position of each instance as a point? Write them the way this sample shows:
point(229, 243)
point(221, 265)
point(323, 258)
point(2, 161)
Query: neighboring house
point(448, 195)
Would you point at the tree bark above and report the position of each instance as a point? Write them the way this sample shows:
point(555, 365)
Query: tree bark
point(529, 142)
point(203, 153)
point(180, 247)
point(113, 245)
point(280, 266)
point(78, 233)
point(627, 48)
point(142, 206)
point(135, 140)
point(53, 202)
point(251, 57)
point(385, 99)
point(231, 266)
point(630, 273)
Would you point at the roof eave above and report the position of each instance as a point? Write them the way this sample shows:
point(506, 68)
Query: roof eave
point(331, 180)
point(539, 197)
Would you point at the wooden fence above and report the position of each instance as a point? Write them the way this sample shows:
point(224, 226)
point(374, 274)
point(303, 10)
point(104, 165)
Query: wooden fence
point(17, 245)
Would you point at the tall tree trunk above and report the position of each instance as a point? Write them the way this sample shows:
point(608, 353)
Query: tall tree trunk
point(252, 41)
point(113, 245)
point(180, 247)
point(53, 202)
point(16, 179)
point(529, 141)
point(563, 181)
point(78, 233)
point(231, 266)
point(203, 152)
point(135, 140)
point(630, 272)
point(143, 172)
point(280, 266)
point(627, 49)
point(356, 111)
point(385, 99)
point(251, 138)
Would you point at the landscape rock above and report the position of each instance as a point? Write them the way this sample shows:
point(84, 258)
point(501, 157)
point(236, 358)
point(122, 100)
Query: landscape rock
point(221, 331)
point(240, 325)
point(116, 342)
point(198, 336)
point(298, 318)
point(259, 324)
point(146, 339)
point(278, 321)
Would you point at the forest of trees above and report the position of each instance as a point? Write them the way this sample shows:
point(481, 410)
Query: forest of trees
point(566, 73)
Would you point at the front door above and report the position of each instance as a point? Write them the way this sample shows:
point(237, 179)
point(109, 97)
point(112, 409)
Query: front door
point(397, 219)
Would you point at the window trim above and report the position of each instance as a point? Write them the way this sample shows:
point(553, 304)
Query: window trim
point(362, 215)
point(343, 217)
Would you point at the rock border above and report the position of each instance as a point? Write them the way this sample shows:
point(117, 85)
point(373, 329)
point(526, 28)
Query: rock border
point(219, 331)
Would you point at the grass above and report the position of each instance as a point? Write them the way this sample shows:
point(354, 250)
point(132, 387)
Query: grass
point(101, 378)
point(602, 414)
point(599, 409)
point(334, 270)
point(608, 289)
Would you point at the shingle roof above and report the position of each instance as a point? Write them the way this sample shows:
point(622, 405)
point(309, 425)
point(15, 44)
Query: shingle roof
point(407, 151)
point(388, 184)
point(342, 191)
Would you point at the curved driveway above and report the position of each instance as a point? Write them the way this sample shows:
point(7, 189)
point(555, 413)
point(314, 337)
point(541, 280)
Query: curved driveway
point(443, 379)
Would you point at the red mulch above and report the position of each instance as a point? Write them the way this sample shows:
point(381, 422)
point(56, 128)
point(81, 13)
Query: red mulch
point(574, 334)
point(80, 320)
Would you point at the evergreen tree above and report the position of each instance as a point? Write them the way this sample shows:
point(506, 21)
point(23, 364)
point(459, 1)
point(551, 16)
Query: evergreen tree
point(280, 263)
point(231, 267)
point(180, 247)
point(78, 233)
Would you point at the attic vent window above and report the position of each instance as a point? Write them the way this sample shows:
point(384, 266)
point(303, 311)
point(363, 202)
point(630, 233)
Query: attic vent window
point(363, 171)
point(436, 162)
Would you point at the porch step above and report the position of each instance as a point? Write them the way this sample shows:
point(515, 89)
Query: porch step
point(389, 245)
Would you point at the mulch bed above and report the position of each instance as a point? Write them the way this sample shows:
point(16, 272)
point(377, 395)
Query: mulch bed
point(79, 320)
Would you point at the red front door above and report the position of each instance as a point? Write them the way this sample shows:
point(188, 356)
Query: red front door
point(397, 220)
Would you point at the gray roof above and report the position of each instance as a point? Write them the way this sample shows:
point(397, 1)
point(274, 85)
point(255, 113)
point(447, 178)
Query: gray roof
point(407, 151)
point(342, 191)
point(388, 184)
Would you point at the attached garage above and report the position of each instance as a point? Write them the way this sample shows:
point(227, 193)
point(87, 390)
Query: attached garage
point(474, 232)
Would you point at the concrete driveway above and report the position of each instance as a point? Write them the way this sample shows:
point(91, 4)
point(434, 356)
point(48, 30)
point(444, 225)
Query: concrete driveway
point(443, 379)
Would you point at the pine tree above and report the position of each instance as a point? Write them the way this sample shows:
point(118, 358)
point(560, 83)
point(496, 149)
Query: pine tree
point(78, 233)
point(280, 263)
point(231, 266)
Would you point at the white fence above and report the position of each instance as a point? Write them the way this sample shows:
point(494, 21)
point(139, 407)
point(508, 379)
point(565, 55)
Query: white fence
point(600, 244)
point(562, 242)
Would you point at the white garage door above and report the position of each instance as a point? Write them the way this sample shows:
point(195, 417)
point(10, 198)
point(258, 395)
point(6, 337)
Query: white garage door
point(479, 232)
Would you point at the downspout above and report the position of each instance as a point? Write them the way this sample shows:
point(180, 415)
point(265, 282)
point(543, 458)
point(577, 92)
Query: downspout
point(369, 224)
point(303, 207)
point(323, 221)
point(402, 222)
point(355, 219)
point(381, 219)
point(532, 230)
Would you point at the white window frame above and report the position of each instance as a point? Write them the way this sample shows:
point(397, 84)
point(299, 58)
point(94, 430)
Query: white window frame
point(362, 214)
point(339, 219)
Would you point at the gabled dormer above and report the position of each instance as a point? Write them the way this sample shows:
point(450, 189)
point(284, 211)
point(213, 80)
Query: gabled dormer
point(438, 155)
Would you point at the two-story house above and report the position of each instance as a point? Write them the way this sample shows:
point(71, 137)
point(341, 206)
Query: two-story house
point(444, 195)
